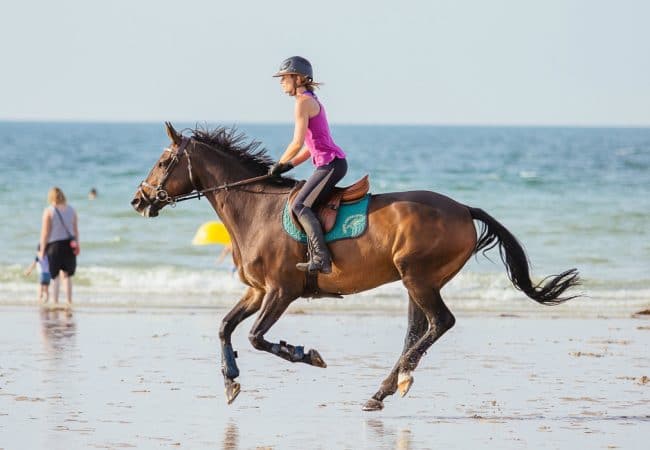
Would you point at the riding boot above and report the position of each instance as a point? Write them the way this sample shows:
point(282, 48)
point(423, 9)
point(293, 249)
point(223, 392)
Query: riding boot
point(319, 255)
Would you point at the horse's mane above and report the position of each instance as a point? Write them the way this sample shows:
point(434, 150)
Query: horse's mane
point(232, 141)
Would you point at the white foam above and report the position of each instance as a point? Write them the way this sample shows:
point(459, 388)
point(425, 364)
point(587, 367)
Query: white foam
point(176, 286)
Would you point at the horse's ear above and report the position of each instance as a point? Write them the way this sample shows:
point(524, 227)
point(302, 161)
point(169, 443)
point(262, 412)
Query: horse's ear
point(173, 135)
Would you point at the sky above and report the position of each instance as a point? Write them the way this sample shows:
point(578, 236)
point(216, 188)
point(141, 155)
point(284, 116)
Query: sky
point(453, 62)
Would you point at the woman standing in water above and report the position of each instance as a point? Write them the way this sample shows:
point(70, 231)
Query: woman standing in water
point(60, 241)
point(311, 130)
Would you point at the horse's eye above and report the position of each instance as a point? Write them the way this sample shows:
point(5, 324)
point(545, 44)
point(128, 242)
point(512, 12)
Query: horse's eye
point(164, 162)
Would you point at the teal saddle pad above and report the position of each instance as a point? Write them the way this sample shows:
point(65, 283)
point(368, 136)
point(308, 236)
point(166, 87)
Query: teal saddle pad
point(351, 222)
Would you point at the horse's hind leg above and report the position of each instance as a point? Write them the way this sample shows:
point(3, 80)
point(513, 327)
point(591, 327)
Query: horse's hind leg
point(439, 319)
point(417, 326)
point(248, 305)
point(273, 306)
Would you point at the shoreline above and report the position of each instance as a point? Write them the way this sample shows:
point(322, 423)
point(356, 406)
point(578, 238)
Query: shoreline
point(469, 293)
point(525, 308)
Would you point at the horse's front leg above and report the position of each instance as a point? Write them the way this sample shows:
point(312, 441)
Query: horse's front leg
point(249, 304)
point(275, 303)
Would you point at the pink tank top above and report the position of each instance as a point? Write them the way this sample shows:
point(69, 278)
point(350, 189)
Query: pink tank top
point(319, 140)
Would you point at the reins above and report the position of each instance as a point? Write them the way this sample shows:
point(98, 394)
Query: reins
point(224, 187)
point(161, 195)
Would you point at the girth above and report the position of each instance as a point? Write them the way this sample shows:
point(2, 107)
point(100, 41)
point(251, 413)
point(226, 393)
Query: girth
point(328, 210)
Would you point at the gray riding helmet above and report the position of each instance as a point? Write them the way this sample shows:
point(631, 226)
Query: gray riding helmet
point(296, 65)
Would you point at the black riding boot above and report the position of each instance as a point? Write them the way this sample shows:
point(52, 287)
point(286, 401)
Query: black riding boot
point(319, 255)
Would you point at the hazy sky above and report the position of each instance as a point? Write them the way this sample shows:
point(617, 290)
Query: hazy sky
point(567, 62)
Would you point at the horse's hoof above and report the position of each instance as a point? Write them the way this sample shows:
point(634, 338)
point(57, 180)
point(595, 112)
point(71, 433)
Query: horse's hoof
point(404, 382)
point(373, 405)
point(315, 359)
point(232, 391)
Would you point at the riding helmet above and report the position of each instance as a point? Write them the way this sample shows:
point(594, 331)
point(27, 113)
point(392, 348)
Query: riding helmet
point(296, 65)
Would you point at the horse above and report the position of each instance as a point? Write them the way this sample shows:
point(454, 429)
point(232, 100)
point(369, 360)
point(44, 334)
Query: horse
point(419, 237)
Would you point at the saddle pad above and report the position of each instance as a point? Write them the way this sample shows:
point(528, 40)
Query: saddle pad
point(351, 222)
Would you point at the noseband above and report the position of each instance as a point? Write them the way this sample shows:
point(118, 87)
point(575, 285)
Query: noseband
point(160, 194)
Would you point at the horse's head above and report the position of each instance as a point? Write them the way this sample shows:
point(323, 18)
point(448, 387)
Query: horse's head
point(170, 177)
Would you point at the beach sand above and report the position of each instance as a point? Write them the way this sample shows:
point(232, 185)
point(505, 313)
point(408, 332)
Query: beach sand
point(145, 378)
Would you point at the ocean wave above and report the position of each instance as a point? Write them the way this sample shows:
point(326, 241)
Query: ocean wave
point(173, 286)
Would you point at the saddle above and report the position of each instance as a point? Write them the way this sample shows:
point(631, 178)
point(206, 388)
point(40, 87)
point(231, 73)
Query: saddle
point(328, 210)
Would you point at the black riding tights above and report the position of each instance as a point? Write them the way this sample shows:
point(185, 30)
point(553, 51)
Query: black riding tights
point(319, 185)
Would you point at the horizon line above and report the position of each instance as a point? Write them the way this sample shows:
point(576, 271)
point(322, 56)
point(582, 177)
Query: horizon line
point(288, 123)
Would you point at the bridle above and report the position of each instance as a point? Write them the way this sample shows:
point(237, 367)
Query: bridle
point(162, 196)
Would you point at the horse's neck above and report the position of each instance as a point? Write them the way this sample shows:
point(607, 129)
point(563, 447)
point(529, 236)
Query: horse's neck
point(242, 209)
point(244, 212)
point(211, 172)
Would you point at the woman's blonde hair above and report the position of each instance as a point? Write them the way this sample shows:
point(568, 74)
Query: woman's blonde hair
point(56, 196)
point(309, 84)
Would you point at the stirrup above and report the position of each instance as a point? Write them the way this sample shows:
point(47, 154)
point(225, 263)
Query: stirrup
point(312, 266)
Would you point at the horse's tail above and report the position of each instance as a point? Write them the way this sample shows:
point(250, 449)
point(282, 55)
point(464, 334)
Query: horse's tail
point(549, 290)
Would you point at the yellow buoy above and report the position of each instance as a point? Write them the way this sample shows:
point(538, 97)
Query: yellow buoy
point(211, 233)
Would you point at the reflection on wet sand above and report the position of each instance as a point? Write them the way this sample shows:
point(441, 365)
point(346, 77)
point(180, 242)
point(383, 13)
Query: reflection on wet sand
point(112, 378)
point(58, 328)
point(231, 437)
point(402, 437)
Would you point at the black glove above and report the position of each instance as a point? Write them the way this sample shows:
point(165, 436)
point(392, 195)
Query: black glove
point(280, 168)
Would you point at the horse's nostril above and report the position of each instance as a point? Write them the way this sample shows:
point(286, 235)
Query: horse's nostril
point(135, 202)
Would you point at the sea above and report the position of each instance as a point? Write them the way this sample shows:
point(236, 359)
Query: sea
point(574, 197)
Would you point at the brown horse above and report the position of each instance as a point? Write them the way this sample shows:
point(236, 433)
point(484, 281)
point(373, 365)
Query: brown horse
point(420, 237)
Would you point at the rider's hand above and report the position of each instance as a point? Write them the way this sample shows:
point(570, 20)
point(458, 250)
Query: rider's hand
point(279, 168)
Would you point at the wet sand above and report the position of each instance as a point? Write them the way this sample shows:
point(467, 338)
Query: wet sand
point(114, 378)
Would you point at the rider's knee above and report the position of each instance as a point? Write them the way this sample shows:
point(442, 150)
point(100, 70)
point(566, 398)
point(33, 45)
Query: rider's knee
point(297, 208)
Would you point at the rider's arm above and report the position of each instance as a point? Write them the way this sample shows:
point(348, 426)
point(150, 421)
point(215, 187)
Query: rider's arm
point(301, 115)
point(302, 156)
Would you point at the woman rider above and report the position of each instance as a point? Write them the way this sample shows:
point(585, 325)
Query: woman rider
point(312, 131)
